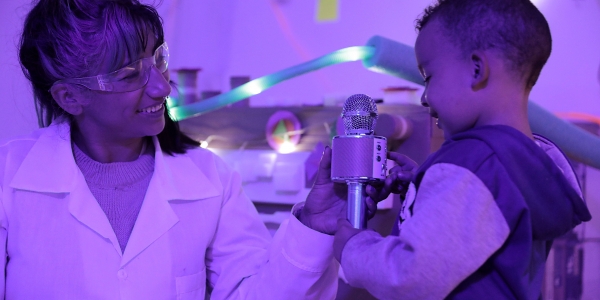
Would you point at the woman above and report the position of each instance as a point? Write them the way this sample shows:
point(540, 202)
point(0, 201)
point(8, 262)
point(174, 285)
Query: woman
point(109, 200)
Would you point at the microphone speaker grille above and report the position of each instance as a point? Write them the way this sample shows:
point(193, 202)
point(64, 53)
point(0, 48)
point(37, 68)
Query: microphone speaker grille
point(359, 114)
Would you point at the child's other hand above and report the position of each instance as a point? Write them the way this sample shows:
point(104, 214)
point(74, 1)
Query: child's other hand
point(398, 179)
point(344, 233)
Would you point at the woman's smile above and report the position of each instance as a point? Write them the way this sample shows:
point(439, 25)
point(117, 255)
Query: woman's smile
point(153, 109)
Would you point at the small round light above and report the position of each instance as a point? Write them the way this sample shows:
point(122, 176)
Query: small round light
point(283, 131)
point(287, 147)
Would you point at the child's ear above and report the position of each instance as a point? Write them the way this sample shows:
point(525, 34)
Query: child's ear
point(480, 70)
point(68, 98)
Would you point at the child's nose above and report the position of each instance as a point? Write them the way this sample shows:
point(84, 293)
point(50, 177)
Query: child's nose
point(424, 100)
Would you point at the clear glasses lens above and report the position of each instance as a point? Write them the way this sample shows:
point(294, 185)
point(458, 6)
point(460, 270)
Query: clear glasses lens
point(135, 75)
point(161, 58)
point(129, 78)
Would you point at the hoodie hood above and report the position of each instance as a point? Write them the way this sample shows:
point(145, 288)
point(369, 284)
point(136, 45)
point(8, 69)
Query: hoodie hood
point(555, 206)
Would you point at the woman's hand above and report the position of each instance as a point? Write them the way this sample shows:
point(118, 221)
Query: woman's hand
point(326, 202)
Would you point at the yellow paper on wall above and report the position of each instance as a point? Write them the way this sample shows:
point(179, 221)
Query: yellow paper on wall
point(327, 10)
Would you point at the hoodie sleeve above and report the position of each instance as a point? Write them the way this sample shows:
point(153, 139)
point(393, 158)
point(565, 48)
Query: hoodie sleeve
point(456, 226)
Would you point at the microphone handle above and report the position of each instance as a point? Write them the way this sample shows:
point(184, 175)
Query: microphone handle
point(357, 194)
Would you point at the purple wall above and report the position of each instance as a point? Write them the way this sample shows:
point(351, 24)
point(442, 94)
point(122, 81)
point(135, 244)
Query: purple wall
point(570, 81)
point(17, 113)
point(230, 37)
point(259, 45)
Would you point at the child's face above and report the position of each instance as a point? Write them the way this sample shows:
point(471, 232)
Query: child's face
point(447, 81)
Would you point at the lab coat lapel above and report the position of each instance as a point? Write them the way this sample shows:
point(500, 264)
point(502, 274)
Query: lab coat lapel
point(49, 167)
point(175, 178)
point(84, 207)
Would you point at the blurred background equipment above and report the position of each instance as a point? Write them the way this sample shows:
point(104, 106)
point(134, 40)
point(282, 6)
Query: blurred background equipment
point(397, 59)
point(186, 91)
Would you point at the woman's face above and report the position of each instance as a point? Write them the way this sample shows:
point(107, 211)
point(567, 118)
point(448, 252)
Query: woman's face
point(127, 115)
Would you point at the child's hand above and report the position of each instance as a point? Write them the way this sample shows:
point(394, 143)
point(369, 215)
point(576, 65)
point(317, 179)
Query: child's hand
point(398, 179)
point(344, 233)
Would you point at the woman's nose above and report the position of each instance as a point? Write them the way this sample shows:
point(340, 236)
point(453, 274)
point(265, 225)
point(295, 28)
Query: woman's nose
point(158, 83)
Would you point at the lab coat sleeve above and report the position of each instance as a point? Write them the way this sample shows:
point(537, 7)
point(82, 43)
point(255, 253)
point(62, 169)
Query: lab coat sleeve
point(243, 262)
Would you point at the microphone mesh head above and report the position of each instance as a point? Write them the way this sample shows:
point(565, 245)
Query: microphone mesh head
point(359, 115)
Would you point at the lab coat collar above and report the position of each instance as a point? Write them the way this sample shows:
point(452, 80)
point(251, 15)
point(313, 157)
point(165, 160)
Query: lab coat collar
point(175, 178)
point(178, 177)
point(49, 167)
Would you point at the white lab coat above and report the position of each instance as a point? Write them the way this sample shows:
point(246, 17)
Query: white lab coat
point(196, 227)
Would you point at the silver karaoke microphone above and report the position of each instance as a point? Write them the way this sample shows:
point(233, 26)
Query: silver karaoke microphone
point(358, 157)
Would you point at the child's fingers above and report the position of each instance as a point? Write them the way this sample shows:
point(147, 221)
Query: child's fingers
point(403, 161)
point(371, 207)
point(397, 182)
point(401, 174)
point(343, 234)
point(378, 192)
point(391, 185)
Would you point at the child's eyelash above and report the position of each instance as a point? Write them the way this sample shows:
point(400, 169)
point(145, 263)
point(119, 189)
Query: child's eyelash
point(426, 80)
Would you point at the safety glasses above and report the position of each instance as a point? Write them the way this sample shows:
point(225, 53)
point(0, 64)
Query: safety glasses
point(129, 78)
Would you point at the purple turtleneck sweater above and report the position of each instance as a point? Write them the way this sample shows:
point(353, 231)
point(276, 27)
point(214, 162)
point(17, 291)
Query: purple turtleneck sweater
point(119, 188)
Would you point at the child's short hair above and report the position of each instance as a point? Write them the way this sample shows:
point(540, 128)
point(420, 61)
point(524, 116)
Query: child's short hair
point(515, 28)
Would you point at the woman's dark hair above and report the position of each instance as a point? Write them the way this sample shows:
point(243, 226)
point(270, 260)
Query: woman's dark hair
point(70, 38)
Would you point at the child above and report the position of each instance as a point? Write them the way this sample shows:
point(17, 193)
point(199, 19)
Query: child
point(492, 199)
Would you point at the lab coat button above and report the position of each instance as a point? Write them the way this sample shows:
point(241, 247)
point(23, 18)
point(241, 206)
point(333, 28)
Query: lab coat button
point(122, 274)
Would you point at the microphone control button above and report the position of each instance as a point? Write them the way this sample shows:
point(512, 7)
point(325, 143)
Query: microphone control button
point(378, 158)
point(378, 147)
